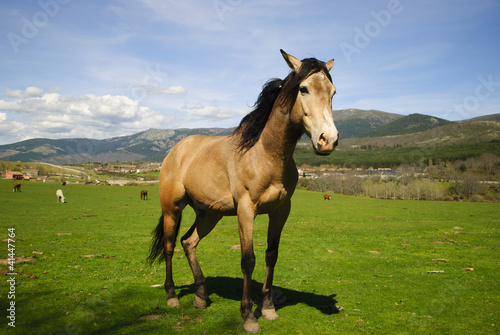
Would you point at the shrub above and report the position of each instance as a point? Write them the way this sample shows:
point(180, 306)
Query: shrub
point(476, 198)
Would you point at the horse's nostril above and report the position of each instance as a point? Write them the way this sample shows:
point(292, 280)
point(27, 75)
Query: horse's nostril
point(322, 139)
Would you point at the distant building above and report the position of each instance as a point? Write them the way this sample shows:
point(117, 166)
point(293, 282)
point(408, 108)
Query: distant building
point(14, 175)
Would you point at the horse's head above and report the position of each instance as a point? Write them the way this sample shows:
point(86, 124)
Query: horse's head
point(313, 104)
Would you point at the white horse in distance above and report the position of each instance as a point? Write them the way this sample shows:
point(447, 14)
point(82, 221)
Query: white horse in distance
point(60, 196)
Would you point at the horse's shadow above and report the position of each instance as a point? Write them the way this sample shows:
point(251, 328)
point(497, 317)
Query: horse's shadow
point(231, 288)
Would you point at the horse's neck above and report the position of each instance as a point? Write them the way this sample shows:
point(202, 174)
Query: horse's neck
point(279, 137)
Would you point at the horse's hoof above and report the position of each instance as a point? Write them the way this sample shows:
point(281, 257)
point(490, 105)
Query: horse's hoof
point(251, 326)
point(199, 302)
point(173, 302)
point(270, 314)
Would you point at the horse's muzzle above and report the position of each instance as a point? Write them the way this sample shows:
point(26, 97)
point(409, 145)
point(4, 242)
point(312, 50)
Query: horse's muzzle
point(326, 143)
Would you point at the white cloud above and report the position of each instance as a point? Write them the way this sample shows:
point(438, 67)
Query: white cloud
point(54, 89)
point(142, 91)
point(63, 116)
point(210, 112)
point(171, 90)
point(30, 91)
point(11, 131)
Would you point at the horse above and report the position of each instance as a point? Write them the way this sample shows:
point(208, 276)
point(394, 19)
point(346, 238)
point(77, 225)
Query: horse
point(327, 197)
point(60, 196)
point(144, 194)
point(249, 172)
point(17, 187)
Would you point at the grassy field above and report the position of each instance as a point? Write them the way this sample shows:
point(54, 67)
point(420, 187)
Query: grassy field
point(83, 266)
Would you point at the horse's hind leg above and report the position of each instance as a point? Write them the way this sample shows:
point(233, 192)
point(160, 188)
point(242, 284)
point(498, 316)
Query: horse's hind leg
point(202, 226)
point(170, 229)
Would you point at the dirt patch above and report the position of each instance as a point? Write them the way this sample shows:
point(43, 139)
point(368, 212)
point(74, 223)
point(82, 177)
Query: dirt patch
point(150, 317)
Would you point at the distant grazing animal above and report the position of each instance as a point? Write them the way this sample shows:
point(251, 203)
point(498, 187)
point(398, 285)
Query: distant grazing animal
point(63, 183)
point(327, 197)
point(17, 187)
point(144, 195)
point(249, 172)
point(60, 196)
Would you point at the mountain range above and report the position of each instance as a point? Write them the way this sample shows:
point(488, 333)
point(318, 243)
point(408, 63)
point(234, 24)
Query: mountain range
point(356, 127)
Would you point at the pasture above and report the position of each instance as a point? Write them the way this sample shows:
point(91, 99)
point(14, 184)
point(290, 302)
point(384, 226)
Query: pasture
point(349, 265)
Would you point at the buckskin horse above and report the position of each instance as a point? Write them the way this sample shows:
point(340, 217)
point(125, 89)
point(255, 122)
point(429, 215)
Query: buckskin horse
point(144, 195)
point(246, 173)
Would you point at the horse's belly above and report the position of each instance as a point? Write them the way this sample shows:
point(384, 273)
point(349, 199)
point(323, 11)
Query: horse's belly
point(212, 200)
point(209, 191)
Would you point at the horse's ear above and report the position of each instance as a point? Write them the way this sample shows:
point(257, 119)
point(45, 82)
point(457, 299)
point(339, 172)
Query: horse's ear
point(292, 62)
point(329, 64)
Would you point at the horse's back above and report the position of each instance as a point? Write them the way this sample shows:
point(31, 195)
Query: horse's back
point(197, 150)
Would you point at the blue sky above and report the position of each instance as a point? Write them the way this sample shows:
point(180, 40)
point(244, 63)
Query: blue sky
point(99, 69)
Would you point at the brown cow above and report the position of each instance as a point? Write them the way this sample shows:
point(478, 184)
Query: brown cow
point(327, 197)
point(17, 187)
point(144, 194)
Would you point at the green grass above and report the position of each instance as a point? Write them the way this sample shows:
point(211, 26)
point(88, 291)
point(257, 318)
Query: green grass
point(369, 256)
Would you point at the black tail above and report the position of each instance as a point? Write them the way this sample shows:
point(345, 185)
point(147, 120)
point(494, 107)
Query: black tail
point(158, 241)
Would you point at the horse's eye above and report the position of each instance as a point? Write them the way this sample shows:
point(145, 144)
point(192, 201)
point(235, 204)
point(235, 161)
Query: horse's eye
point(303, 90)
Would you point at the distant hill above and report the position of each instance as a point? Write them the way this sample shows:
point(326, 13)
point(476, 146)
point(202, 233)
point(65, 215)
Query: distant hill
point(455, 133)
point(151, 145)
point(353, 122)
point(491, 117)
point(413, 123)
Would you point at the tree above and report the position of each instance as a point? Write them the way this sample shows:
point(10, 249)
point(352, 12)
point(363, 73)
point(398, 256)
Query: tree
point(470, 184)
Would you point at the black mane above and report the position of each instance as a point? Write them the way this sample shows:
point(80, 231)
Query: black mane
point(274, 91)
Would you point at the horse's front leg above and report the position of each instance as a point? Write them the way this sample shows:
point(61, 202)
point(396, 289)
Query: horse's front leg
point(277, 220)
point(246, 216)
